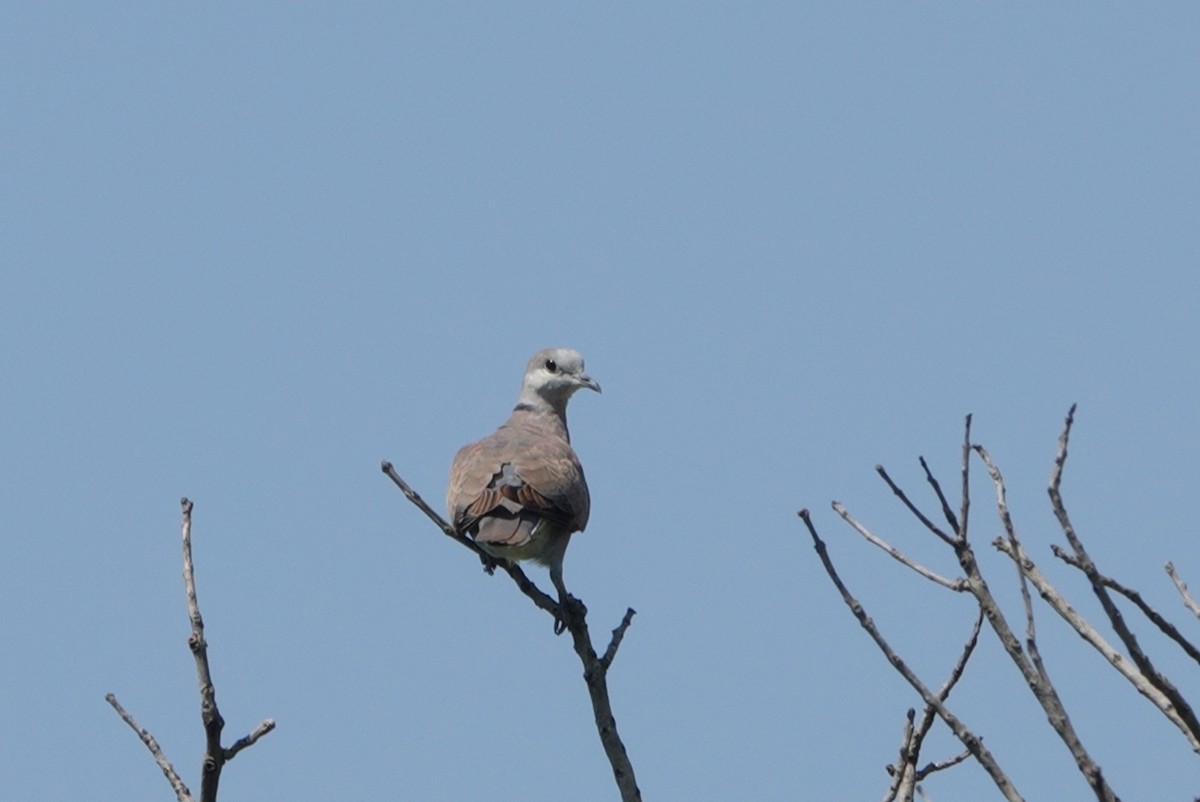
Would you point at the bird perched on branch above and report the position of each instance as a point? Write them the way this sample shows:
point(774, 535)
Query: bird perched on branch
point(520, 493)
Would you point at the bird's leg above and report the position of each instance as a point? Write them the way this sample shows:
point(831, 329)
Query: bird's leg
point(560, 621)
point(569, 607)
point(489, 562)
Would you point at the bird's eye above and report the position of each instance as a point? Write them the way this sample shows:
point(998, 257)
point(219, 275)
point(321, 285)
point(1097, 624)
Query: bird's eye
point(551, 366)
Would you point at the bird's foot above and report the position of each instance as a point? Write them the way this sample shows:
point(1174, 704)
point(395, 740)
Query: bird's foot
point(570, 609)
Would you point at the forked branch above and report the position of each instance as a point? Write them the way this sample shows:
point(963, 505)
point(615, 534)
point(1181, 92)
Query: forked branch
point(215, 755)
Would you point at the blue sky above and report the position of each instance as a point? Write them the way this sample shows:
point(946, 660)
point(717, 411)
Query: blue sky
point(250, 252)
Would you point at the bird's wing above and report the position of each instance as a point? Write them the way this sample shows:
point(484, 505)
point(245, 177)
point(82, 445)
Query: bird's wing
point(523, 471)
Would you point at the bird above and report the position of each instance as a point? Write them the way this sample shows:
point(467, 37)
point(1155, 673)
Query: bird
point(520, 493)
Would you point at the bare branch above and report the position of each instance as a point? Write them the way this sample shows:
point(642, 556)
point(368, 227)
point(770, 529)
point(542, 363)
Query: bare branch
point(972, 742)
point(937, 489)
point(1034, 668)
point(182, 794)
point(215, 756)
point(900, 494)
point(968, 649)
point(249, 740)
point(1164, 626)
point(1088, 567)
point(965, 509)
point(430, 513)
point(572, 615)
point(618, 635)
point(905, 772)
point(1011, 533)
point(930, 768)
point(1182, 587)
point(957, 585)
point(595, 675)
point(1077, 622)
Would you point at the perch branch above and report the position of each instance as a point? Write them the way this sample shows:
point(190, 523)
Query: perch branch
point(572, 614)
point(430, 513)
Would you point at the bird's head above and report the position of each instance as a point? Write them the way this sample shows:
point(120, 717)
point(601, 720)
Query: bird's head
point(553, 375)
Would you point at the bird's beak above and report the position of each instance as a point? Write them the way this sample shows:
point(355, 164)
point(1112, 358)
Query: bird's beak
point(590, 383)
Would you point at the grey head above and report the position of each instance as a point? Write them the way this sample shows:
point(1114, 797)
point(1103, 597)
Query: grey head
point(551, 378)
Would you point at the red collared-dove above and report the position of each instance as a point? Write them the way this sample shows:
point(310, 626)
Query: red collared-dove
point(520, 493)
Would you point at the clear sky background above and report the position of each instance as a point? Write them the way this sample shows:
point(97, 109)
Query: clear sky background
point(249, 252)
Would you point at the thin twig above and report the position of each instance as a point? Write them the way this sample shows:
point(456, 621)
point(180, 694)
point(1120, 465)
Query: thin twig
point(972, 742)
point(572, 614)
point(249, 740)
point(900, 494)
point(618, 635)
point(959, 667)
point(182, 794)
point(957, 585)
point(965, 509)
point(441, 523)
point(1182, 587)
point(940, 765)
point(951, 518)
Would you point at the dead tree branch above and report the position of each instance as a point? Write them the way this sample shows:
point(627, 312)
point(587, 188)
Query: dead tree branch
point(905, 773)
point(181, 791)
point(1182, 587)
point(971, 741)
point(1023, 652)
point(1088, 567)
point(896, 554)
point(1034, 668)
point(595, 668)
point(1164, 626)
point(215, 756)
